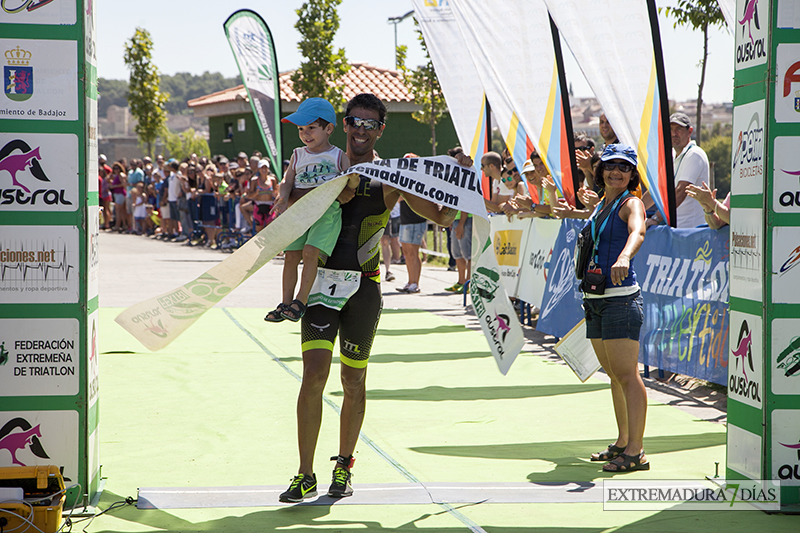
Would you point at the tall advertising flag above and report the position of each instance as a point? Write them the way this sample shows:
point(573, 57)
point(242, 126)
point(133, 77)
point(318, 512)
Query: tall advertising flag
point(517, 63)
point(620, 56)
point(460, 83)
point(254, 50)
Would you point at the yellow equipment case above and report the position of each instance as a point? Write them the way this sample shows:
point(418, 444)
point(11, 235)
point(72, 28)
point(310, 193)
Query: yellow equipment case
point(43, 490)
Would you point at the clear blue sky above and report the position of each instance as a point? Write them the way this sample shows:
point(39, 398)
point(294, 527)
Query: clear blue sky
point(188, 38)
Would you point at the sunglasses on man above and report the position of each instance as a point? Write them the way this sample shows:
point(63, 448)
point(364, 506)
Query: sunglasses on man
point(368, 124)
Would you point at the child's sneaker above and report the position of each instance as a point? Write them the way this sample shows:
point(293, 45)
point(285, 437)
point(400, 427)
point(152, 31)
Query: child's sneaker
point(302, 488)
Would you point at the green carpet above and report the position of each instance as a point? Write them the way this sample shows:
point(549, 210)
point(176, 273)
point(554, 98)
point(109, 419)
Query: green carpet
point(217, 408)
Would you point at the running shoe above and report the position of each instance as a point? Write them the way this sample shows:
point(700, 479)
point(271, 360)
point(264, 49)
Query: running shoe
point(412, 288)
point(389, 276)
point(403, 289)
point(455, 288)
point(340, 484)
point(302, 488)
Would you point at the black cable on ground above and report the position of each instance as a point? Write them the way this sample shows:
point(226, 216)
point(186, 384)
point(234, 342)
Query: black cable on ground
point(69, 522)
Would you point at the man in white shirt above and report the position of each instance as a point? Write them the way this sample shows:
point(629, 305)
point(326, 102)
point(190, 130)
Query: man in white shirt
point(690, 165)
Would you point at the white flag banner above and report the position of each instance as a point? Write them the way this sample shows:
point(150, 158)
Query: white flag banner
point(517, 64)
point(617, 57)
point(460, 83)
point(728, 8)
point(158, 321)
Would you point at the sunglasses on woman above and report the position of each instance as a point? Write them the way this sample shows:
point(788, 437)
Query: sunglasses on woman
point(368, 123)
point(622, 167)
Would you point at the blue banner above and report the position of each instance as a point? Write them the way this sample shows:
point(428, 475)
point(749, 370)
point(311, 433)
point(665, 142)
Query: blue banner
point(684, 278)
point(685, 283)
point(561, 304)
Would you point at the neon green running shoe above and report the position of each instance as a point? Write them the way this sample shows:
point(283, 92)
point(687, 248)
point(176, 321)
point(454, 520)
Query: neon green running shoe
point(302, 488)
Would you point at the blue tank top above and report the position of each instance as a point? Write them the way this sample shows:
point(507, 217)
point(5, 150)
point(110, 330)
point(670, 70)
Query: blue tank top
point(612, 240)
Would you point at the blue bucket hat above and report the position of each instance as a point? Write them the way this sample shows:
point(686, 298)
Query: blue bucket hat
point(310, 110)
point(619, 151)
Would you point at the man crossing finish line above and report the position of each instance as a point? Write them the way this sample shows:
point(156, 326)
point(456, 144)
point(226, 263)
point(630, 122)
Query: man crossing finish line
point(365, 213)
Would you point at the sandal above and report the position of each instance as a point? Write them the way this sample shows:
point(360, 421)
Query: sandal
point(612, 452)
point(294, 311)
point(276, 315)
point(627, 463)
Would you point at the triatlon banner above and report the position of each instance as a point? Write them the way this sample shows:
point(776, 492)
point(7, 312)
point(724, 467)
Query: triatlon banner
point(158, 321)
point(254, 50)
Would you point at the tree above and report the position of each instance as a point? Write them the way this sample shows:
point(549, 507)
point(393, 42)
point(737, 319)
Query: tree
point(424, 86)
point(182, 145)
point(111, 92)
point(699, 14)
point(145, 97)
point(318, 76)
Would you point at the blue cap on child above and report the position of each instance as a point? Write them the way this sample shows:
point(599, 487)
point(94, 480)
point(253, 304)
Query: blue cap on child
point(310, 110)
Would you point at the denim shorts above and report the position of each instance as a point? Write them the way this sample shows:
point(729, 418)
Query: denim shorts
point(617, 317)
point(462, 248)
point(413, 233)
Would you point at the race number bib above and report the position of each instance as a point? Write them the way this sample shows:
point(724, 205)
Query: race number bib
point(333, 288)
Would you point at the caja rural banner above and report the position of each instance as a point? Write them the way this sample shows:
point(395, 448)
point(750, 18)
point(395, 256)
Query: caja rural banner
point(684, 279)
point(511, 44)
point(254, 50)
point(158, 321)
point(614, 49)
point(537, 259)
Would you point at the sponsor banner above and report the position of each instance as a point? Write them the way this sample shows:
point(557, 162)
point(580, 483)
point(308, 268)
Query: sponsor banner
point(691, 495)
point(494, 311)
point(786, 354)
point(787, 90)
point(747, 260)
point(92, 361)
point(786, 175)
point(39, 264)
point(684, 279)
point(34, 438)
point(90, 32)
point(39, 357)
point(509, 238)
point(745, 375)
point(752, 29)
point(537, 259)
point(50, 12)
point(40, 79)
point(92, 252)
point(785, 260)
point(254, 51)
point(747, 165)
point(788, 15)
point(561, 307)
point(786, 446)
point(743, 452)
point(39, 172)
point(683, 275)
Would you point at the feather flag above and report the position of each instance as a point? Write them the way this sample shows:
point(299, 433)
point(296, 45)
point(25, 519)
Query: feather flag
point(615, 51)
point(517, 63)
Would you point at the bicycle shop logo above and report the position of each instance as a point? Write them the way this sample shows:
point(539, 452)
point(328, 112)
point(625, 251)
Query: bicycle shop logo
point(790, 198)
point(21, 161)
point(18, 75)
point(754, 48)
point(17, 435)
point(789, 359)
point(742, 385)
point(750, 149)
